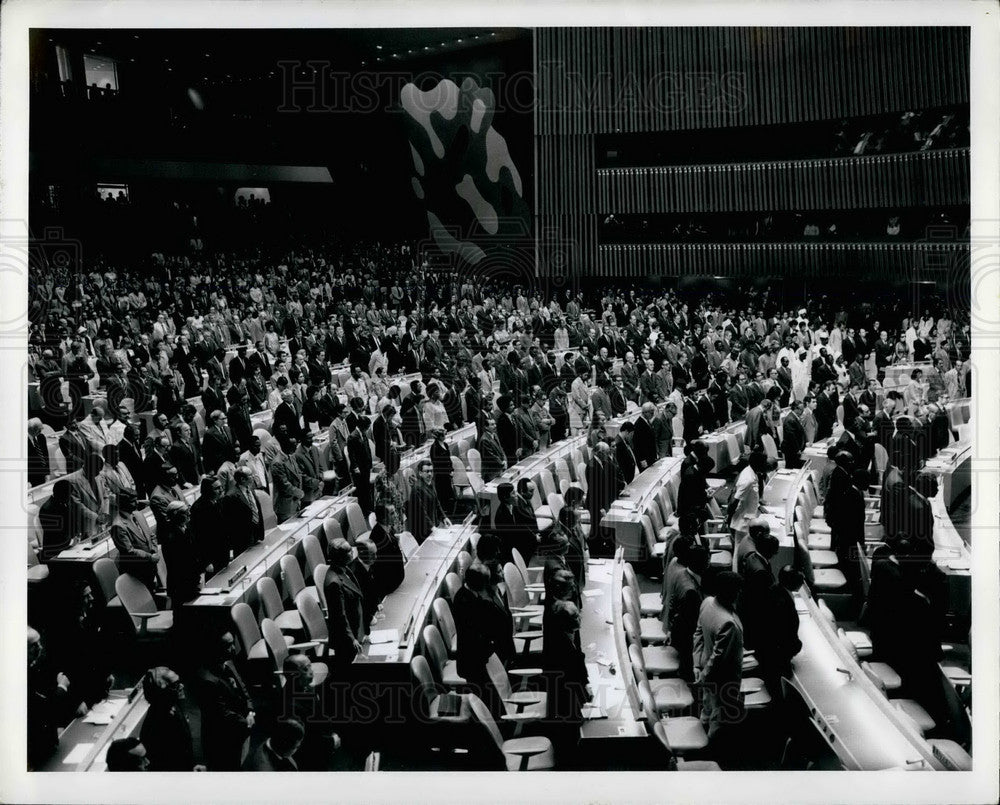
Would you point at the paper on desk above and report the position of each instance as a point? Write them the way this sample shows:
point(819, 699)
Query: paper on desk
point(286, 527)
point(384, 636)
point(383, 650)
point(78, 753)
point(109, 707)
point(592, 593)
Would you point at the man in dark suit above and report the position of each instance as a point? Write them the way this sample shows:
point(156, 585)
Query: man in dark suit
point(227, 713)
point(493, 459)
point(738, 398)
point(57, 516)
point(650, 389)
point(423, 510)
point(793, 436)
point(88, 493)
point(385, 433)
point(758, 421)
point(682, 601)
point(360, 455)
point(644, 439)
point(287, 478)
point(602, 488)
point(826, 411)
point(130, 454)
point(237, 366)
point(217, 446)
point(345, 602)
point(507, 431)
point(852, 403)
point(483, 629)
point(277, 753)
point(242, 513)
point(883, 424)
point(624, 454)
point(515, 521)
point(73, 445)
point(182, 454)
point(389, 569)
point(239, 418)
point(719, 399)
point(691, 416)
point(285, 414)
point(38, 453)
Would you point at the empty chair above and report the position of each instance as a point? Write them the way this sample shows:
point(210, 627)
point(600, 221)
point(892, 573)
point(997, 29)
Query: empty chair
point(770, 448)
point(755, 693)
point(462, 450)
point(313, 553)
point(268, 516)
point(463, 561)
point(651, 630)
point(861, 640)
point(446, 625)
point(452, 584)
point(531, 585)
point(141, 607)
point(445, 671)
point(314, 622)
point(430, 693)
point(291, 576)
point(517, 594)
point(356, 522)
point(581, 476)
point(273, 608)
point(522, 705)
point(671, 695)
point(278, 650)
point(318, 590)
point(459, 477)
point(332, 529)
point(475, 461)
point(684, 733)
point(658, 660)
point(248, 631)
point(563, 474)
point(106, 574)
point(407, 544)
point(660, 733)
point(520, 754)
point(649, 603)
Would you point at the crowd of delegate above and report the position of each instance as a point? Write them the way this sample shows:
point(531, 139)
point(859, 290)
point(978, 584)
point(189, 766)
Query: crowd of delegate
point(528, 370)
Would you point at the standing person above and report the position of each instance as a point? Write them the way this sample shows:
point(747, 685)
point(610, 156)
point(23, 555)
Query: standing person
point(138, 551)
point(227, 711)
point(541, 418)
point(208, 525)
point(389, 569)
point(493, 459)
point(443, 473)
point(718, 664)
point(623, 451)
point(38, 453)
point(663, 430)
point(567, 683)
point(243, 515)
point(165, 732)
point(287, 478)
point(507, 432)
point(345, 604)
point(744, 506)
point(793, 436)
point(515, 521)
point(483, 629)
point(423, 510)
point(184, 560)
point(559, 409)
point(682, 602)
point(644, 438)
point(359, 454)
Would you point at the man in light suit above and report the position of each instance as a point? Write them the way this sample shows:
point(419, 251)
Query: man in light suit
point(95, 429)
point(757, 419)
point(138, 551)
point(311, 466)
point(793, 436)
point(718, 662)
point(89, 496)
point(288, 492)
point(166, 491)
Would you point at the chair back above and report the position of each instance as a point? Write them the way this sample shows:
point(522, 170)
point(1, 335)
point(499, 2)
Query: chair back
point(270, 598)
point(555, 502)
point(277, 648)
point(770, 448)
point(881, 460)
point(520, 564)
point(312, 616)
point(498, 676)
point(445, 622)
point(482, 714)
point(733, 448)
point(291, 576)
point(547, 483)
point(647, 702)
point(561, 468)
point(313, 552)
point(435, 650)
point(423, 681)
point(663, 501)
point(452, 584)
point(356, 523)
point(106, 573)
point(848, 644)
point(629, 576)
point(332, 530)
point(581, 476)
point(462, 449)
point(459, 477)
point(407, 544)
point(647, 530)
point(463, 561)
point(516, 594)
point(826, 611)
point(638, 663)
point(270, 519)
point(840, 415)
point(319, 582)
point(135, 596)
point(475, 460)
point(246, 626)
point(631, 629)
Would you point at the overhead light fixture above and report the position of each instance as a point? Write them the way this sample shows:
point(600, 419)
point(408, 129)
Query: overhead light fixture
point(363, 62)
point(379, 59)
point(378, 47)
point(459, 41)
point(427, 47)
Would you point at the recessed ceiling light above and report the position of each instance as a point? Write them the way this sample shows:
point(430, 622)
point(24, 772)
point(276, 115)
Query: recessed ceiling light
point(442, 44)
point(475, 36)
point(459, 41)
point(379, 59)
point(170, 69)
point(395, 55)
point(208, 55)
point(427, 47)
point(363, 62)
point(378, 47)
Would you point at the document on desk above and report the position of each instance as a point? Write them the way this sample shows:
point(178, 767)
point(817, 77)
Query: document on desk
point(384, 636)
point(592, 593)
point(78, 754)
point(104, 712)
point(388, 650)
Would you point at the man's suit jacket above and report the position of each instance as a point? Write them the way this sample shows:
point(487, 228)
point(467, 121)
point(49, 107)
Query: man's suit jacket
point(507, 434)
point(242, 532)
point(718, 645)
point(494, 461)
point(644, 443)
point(130, 455)
point(240, 426)
point(739, 400)
point(423, 510)
point(286, 415)
point(692, 420)
point(663, 432)
point(288, 490)
point(793, 435)
point(345, 612)
point(136, 546)
point(757, 426)
point(360, 456)
point(389, 568)
point(650, 389)
point(217, 448)
point(161, 497)
point(384, 435)
point(308, 461)
point(682, 603)
point(516, 528)
point(38, 460)
point(75, 447)
point(185, 458)
point(851, 409)
point(88, 503)
point(225, 703)
point(625, 458)
point(483, 629)
point(826, 415)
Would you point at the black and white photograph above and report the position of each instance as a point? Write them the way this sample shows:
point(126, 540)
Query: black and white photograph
point(423, 398)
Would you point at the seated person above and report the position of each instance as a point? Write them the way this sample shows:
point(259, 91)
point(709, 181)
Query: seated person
point(127, 754)
point(277, 753)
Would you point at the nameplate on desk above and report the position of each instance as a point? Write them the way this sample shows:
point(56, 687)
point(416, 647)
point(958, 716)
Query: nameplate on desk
point(239, 574)
point(590, 713)
point(214, 591)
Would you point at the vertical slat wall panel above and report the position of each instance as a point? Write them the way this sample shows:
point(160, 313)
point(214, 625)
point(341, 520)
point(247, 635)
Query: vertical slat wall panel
point(788, 75)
